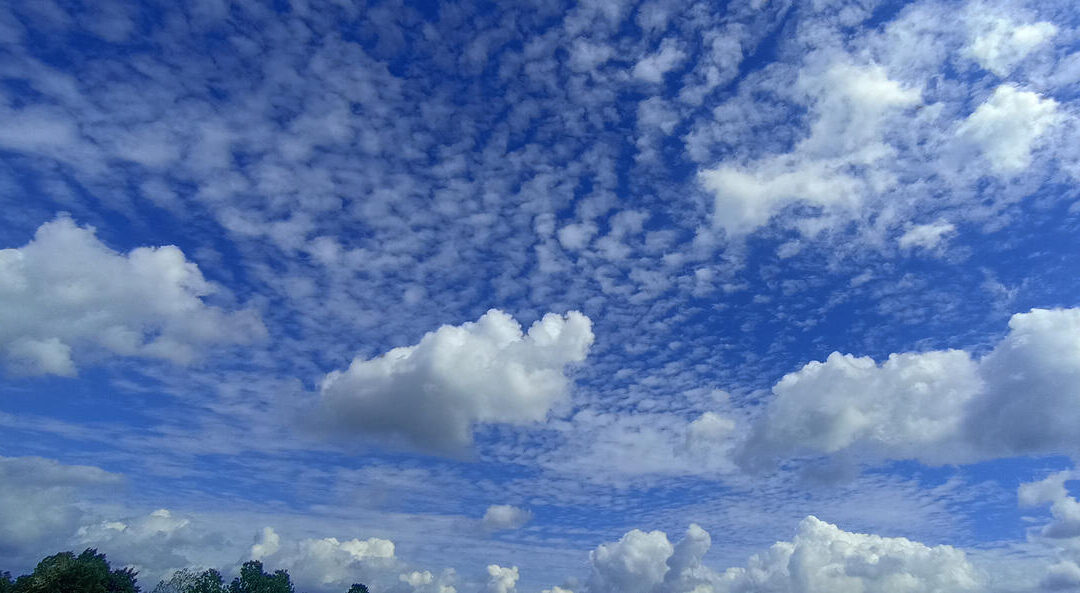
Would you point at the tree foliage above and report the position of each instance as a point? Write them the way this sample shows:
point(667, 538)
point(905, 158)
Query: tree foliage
point(89, 572)
point(65, 572)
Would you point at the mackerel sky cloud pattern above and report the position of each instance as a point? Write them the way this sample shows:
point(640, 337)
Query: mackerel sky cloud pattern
point(587, 297)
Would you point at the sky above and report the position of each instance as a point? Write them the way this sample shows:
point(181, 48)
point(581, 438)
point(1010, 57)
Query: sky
point(614, 296)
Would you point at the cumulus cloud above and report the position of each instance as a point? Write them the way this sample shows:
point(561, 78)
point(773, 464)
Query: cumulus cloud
point(504, 516)
point(1064, 509)
point(329, 564)
point(825, 559)
point(1006, 127)
point(430, 395)
point(267, 543)
point(501, 579)
point(999, 43)
point(156, 543)
point(821, 558)
point(635, 564)
point(65, 295)
point(939, 406)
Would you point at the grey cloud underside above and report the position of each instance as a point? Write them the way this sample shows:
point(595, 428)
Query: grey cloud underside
point(432, 394)
point(938, 407)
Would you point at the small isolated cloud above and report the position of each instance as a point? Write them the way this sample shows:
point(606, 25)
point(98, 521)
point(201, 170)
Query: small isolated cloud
point(999, 44)
point(1006, 127)
point(501, 579)
point(926, 236)
point(503, 516)
point(66, 295)
point(937, 407)
point(653, 67)
point(430, 395)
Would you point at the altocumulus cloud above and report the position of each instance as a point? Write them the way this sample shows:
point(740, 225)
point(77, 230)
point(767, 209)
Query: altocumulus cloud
point(938, 407)
point(66, 295)
point(430, 395)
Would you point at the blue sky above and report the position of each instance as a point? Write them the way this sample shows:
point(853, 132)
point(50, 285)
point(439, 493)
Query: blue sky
point(615, 296)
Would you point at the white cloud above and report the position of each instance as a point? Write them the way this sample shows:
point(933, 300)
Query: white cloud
point(586, 56)
point(937, 407)
point(267, 543)
point(926, 236)
point(912, 405)
point(825, 559)
point(653, 67)
point(65, 295)
point(576, 236)
point(1064, 509)
point(999, 44)
point(504, 516)
point(1006, 127)
point(850, 104)
point(417, 578)
point(37, 497)
point(432, 393)
point(501, 579)
point(820, 559)
point(329, 563)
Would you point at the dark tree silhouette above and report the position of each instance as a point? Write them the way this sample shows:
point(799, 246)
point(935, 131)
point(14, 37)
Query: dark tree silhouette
point(65, 572)
point(358, 588)
point(252, 579)
point(190, 581)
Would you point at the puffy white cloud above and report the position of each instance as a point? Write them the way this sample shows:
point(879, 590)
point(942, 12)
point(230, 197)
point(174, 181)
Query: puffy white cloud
point(156, 544)
point(653, 67)
point(1032, 386)
point(926, 236)
point(66, 295)
point(430, 395)
point(825, 559)
point(637, 563)
point(1006, 127)
point(267, 543)
point(820, 559)
point(501, 579)
point(912, 405)
point(329, 564)
point(417, 578)
point(504, 516)
point(939, 406)
point(999, 43)
point(1064, 509)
